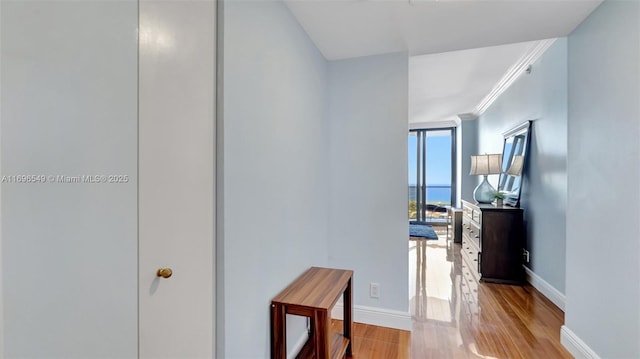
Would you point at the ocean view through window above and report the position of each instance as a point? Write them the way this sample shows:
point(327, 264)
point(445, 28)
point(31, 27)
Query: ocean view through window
point(436, 194)
point(431, 172)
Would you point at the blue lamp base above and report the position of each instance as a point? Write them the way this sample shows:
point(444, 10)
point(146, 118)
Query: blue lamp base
point(484, 192)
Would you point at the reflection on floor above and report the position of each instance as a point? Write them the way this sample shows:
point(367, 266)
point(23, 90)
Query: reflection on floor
point(439, 276)
point(455, 317)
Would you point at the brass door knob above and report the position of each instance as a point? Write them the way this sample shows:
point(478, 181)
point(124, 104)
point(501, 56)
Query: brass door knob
point(164, 272)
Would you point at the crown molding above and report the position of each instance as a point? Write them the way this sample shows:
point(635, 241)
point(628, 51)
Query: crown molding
point(532, 55)
point(434, 124)
point(469, 116)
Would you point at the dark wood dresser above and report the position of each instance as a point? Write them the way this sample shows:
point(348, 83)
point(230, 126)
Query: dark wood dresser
point(492, 243)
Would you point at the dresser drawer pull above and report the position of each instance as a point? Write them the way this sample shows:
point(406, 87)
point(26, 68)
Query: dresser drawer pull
point(479, 261)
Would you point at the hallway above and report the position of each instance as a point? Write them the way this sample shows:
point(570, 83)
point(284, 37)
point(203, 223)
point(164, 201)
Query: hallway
point(455, 317)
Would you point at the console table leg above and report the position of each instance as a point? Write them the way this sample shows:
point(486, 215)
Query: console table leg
point(322, 331)
point(348, 317)
point(278, 332)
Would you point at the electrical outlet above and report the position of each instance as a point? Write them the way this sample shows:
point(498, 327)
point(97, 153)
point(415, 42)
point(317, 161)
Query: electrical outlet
point(525, 255)
point(374, 290)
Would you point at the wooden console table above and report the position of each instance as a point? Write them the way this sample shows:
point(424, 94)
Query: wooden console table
point(313, 295)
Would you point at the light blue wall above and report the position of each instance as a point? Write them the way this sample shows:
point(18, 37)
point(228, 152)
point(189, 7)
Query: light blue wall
point(368, 144)
point(603, 209)
point(314, 172)
point(540, 96)
point(275, 169)
point(468, 147)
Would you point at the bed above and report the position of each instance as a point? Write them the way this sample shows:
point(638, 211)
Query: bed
point(421, 230)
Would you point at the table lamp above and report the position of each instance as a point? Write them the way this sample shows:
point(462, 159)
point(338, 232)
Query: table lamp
point(485, 165)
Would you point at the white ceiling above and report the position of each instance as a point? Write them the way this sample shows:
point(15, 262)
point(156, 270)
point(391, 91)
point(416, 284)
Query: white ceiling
point(351, 28)
point(443, 81)
point(443, 85)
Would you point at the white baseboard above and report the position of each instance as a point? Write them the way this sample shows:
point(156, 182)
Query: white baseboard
point(549, 291)
point(376, 316)
point(575, 345)
point(298, 346)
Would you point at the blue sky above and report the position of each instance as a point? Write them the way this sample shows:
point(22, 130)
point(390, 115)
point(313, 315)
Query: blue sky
point(438, 160)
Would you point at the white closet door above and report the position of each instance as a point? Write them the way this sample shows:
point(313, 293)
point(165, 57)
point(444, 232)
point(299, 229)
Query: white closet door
point(68, 108)
point(176, 192)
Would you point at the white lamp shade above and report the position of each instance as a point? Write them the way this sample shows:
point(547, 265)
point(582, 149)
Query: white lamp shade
point(486, 164)
point(516, 166)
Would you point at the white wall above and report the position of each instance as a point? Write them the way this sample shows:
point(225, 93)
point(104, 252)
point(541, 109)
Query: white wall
point(540, 96)
point(275, 168)
point(368, 147)
point(603, 208)
point(69, 107)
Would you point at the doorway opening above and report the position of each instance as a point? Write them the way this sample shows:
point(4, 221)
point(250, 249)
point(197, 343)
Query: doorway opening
point(432, 192)
point(432, 176)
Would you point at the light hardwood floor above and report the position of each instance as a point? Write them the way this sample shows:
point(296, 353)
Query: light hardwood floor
point(451, 321)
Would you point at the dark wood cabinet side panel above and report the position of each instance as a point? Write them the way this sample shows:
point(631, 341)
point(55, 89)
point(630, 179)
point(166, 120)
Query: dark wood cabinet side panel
point(502, 245)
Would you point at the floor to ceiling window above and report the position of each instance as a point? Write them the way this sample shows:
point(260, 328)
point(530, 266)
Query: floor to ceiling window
point(431, 173)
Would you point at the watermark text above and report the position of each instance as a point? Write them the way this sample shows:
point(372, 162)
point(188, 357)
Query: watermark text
point(64, 179)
